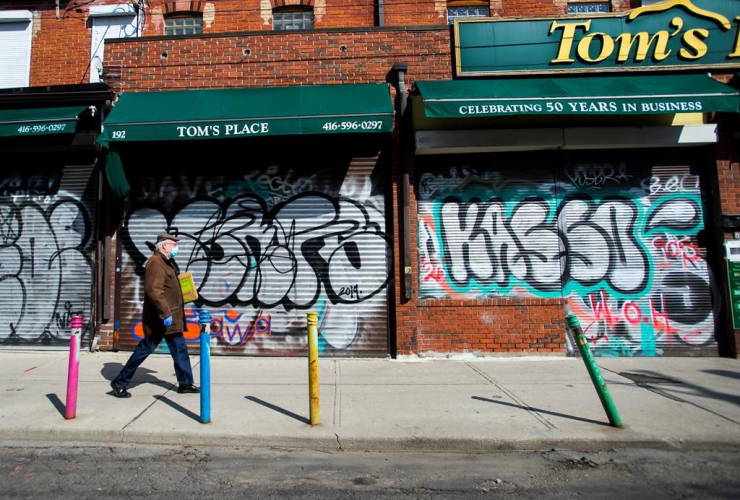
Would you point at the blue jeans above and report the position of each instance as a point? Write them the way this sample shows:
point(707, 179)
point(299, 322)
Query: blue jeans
point(178, 350)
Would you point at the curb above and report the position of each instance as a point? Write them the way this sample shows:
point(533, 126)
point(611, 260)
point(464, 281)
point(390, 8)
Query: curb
point(338, 443)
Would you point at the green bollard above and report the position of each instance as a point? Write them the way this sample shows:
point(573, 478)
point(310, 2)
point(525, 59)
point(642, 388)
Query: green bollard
point(593, 370)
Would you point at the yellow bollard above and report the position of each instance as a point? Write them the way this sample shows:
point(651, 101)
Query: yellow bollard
point(313, 367)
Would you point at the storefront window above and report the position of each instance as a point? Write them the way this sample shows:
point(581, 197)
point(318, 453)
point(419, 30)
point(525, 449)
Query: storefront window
point(588, 7)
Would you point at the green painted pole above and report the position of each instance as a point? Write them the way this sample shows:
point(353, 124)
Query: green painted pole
point(593, 370)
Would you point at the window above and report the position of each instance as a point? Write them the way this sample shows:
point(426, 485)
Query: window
point(292, 19)
point(466, 9)
point(15, 40)
point(109, 21)
point(588, 7)
point(183, 24)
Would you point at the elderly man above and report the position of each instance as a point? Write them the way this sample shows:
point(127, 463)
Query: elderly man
point(163, 318)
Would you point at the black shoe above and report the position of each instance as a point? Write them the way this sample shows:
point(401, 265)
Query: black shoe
point(188, 389)
point(120, 391)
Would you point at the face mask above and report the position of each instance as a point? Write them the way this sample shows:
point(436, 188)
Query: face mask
point(173, 252)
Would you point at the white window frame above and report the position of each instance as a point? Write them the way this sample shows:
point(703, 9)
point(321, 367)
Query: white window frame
point(106, 14)
point(450, 20)
point(21, 16)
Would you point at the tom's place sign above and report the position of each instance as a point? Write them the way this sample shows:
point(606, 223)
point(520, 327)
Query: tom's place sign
point(667, 35)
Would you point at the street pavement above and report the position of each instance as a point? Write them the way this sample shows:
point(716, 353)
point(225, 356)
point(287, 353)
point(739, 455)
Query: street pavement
point(467, 404)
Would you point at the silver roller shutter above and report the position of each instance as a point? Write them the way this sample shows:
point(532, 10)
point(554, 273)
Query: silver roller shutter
point(486, 227)
point(47, 223)
point(266, 245)
point(637, 268)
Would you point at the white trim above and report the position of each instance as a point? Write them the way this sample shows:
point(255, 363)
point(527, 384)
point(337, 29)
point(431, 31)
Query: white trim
point(503, 140)
point(14, 16)
point(121, 9)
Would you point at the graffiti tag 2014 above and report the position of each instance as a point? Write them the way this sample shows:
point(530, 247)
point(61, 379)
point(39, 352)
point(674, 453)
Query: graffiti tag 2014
point(622, 247)
point(45, 267)
point(262, 260)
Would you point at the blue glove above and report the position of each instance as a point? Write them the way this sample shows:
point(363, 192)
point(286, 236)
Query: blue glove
point(168, 321)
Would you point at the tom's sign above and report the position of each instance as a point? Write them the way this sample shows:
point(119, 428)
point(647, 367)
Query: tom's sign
point(671, 34)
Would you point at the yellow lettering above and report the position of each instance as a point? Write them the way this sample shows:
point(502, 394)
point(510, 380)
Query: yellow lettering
point(694, 40)
point(736, 52)
point(584, 47)
point(566, 42)
point(644, 42)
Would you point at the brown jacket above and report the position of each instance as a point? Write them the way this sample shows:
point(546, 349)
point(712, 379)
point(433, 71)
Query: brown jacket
point(162, 297)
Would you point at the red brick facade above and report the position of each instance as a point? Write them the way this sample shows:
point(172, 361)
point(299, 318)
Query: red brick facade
point(239, 49)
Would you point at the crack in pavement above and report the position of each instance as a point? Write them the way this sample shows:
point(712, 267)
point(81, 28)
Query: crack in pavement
point(541, 419)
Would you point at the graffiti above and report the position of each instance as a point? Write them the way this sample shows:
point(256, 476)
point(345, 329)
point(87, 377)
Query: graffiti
point(45, 269)
point(622, 248)
point(597, 175)
point(271, 252)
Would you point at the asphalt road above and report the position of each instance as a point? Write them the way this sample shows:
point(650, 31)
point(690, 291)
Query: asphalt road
point(81, 472)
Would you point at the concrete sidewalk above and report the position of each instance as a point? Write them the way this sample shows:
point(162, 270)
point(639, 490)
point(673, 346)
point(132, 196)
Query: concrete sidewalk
point(480, 405)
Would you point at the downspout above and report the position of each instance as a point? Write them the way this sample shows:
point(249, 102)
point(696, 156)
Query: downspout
point(379, 13)
point(406, 265)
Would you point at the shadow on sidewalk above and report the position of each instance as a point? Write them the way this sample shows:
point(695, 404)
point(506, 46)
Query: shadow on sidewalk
point(723, 373)
point(694, 389)
point(61, 407)
point(177, 407)
point(539, 410)
point(278, 409)
point(142, 376)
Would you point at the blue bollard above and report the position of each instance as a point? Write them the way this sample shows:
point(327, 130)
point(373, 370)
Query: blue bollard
point(204, 318)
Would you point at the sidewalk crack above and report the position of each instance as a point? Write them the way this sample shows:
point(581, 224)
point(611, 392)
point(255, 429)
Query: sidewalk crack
point(514, 398)
point(172, 386)
point(340, 444)
point(678, 399)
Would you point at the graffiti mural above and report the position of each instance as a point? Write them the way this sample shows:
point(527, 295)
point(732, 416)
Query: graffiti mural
point(265, 249)
point(622, 244)
point(45, 248)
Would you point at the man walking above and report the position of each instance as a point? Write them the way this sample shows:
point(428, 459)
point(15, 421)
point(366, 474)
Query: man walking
point(163, 318)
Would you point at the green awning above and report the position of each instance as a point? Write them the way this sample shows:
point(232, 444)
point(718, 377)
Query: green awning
point(594, 95)
point(249, 112)
point(39, 121)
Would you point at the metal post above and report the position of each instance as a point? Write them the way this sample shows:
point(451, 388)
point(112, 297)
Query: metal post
point(594, 372)
point(313, 368)
point(73, 373)
point(205, 366)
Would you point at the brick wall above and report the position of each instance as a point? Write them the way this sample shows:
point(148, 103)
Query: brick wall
point(277, 59)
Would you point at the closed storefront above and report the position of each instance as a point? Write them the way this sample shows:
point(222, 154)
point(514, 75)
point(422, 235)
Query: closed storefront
point(48, 224)
point(271, 228)
point(619, 235)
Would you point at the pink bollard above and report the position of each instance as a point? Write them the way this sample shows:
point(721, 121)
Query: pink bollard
point(73, 374)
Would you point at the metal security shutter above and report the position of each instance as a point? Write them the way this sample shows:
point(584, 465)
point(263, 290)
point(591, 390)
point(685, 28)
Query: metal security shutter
point(15, 56)
point(637, 271)
point(47, 223)
point(487, 227)
point(266, 244)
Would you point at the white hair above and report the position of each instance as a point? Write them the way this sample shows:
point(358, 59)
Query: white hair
point(159, 245)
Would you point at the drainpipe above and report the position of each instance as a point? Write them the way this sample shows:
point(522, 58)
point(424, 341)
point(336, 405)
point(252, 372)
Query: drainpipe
point(406, 266)
point(379, 13)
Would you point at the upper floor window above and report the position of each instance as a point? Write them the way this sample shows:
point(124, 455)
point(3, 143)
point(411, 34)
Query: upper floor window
point(15, 40)
point(466, 9)
point(588, 7)
point(184, 24)
point(292, 19)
